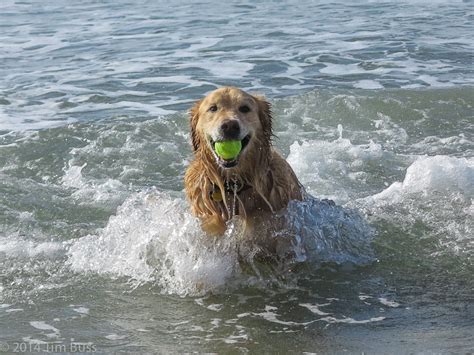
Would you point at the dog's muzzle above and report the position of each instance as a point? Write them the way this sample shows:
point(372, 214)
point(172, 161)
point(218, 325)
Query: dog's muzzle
point(230, 130)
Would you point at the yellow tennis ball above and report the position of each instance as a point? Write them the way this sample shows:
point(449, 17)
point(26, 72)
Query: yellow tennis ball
point(228, 150)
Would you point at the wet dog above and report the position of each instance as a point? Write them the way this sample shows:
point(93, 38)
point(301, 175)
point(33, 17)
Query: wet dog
point(256, 183)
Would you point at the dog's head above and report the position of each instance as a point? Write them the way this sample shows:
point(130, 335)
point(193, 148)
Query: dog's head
point(229, 114)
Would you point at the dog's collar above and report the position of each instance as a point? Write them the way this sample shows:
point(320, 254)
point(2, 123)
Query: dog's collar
point(231, 187)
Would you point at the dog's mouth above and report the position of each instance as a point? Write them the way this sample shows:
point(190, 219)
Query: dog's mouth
point(229, 163)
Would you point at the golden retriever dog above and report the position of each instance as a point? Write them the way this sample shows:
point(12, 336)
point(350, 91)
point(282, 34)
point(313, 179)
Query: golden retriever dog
point(256, 183)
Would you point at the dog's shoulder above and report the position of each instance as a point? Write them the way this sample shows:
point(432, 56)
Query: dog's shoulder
point(283, 183)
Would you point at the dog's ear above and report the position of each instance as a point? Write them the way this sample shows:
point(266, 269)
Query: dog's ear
point(193, 120)
point(265, 115)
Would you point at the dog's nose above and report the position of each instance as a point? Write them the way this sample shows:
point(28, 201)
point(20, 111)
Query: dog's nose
point(230, 129)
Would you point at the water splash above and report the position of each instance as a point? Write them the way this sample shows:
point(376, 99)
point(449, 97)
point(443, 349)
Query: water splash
point(153, 238)
point(322, 231)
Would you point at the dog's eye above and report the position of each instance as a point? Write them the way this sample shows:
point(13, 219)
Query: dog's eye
point(213, 108)
point(244, 109)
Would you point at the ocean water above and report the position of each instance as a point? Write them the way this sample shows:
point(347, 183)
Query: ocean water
point(373, 105)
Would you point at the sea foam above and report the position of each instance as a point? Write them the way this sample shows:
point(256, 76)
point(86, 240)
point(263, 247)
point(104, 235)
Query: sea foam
point(437, 193)
point(429, 175)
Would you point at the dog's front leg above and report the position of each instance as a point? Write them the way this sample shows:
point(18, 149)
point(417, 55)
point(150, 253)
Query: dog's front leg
point(213, 225)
